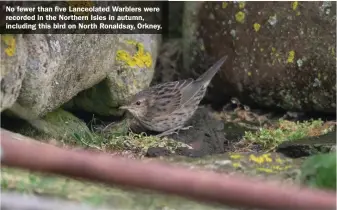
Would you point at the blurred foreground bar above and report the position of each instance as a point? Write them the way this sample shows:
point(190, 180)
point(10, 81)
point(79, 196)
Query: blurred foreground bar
point(200, 185)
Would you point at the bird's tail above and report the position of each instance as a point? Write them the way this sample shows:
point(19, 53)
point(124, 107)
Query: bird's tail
point(209, 74)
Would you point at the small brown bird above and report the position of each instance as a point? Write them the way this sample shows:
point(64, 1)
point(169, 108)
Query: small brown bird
point(166, 107)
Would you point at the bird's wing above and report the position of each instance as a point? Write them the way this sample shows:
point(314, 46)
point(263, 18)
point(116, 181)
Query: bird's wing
point(189, 92)
point(168, 97)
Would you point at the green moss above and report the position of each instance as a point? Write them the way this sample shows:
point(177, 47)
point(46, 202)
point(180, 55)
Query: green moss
point(68, 129)
point(65, 127)
point(140, 143)
point(271, 137)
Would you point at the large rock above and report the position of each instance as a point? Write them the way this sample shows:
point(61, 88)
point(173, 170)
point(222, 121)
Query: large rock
point(135, 57)
point(12, 66)
point(281, 54)
point(59, 66)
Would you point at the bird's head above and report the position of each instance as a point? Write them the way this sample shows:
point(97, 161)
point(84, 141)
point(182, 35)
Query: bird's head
point(138, 105)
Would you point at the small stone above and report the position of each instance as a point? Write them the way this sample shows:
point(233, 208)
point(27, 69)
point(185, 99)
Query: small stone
point(233, 33)
point(316, 83)
point(272, 20)
point(222, 162)
point(299, 62)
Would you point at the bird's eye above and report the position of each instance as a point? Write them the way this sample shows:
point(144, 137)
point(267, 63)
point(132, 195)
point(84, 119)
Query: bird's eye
point(138, 103)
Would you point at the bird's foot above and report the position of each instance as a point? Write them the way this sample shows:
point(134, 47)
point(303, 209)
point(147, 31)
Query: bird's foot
point(173, 131)
point(167, 133)
point(186, 128)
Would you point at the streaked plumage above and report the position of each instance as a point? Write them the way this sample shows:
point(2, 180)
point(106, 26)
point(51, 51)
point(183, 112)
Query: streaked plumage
point(166, 107)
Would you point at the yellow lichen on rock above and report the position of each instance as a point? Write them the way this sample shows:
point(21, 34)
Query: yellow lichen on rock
point(260, 162)
point(260, 159)
point(224, 5)
point(266, 170)
point(237, 165)
point(291, 56)
point(280, 168)
point(141, 58)
point(9, 40)
point(242, 5)
point(240, 17)
point(294, 5)
point(279, 160)
point(235, 156)
point(256, 27)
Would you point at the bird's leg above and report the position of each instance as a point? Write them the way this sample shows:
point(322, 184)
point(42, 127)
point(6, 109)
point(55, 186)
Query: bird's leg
point(186, 128)
point(174, 130)
point(169, 132)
